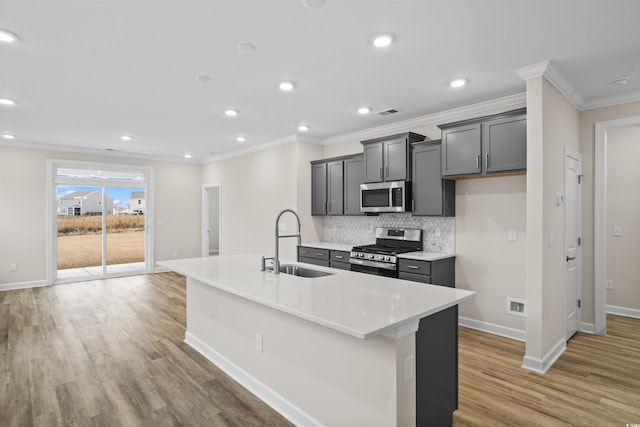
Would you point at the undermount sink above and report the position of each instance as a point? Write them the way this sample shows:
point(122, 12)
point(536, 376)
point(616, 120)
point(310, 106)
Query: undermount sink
point(295, 270)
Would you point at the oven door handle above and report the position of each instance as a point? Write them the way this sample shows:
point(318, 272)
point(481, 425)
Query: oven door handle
point(375, 264)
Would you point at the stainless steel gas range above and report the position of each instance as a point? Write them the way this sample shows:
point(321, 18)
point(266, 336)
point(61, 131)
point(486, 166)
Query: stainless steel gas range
point(381, 258)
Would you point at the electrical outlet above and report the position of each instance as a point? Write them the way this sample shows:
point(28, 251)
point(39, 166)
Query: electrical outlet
point(174, 253)
point(609, 284)
point(282, 226)
point(512, 236)
point(438, 232)
point(617, 231)
point(259, 341)
point(516, 307)
point(408, 368)
point(13, 267)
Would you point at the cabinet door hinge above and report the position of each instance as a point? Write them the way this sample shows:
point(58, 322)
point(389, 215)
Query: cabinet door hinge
point(579, 241)
point(579, 303)
point(580, 179)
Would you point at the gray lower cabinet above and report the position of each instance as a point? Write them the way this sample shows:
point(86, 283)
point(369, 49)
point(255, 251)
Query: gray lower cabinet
point(339, 259)
point(486, 145)
point(353, 177)
point(314, 256)
point(327, 188)
point(432, 195)
point(439, 272)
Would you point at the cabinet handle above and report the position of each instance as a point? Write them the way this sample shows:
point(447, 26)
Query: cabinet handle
point(414, 267)
point(381, 173)
point(339, 256)
point(324, 207)
point(478, 162)
point(304, 252)
point(328, 207)
point(413, 205)
point(486, 160)
point(387, 172)
point(319, 254)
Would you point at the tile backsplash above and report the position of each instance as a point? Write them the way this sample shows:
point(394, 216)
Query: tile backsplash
point(438, 234)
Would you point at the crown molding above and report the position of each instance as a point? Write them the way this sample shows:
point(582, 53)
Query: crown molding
point(95, 151)
point(547, 70)
point(609, 101)
point(444, 116)
point(286, 140)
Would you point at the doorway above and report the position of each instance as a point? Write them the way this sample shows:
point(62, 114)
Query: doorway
point(98, 221)
point(211, 220)
point(572, 241)
point(600, 216)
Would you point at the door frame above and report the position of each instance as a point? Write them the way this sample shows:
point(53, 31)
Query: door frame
point(51, 255)
point(205, 217)
point(571, 153)
point(600, 217)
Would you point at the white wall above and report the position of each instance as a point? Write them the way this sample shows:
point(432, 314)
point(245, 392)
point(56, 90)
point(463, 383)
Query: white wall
point(23, 209)
point(587, 144)
point(254, 188)
point(552, 124)
point(623, 209)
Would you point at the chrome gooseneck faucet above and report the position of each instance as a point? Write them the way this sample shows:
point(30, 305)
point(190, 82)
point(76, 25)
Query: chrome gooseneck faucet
point(276, 257)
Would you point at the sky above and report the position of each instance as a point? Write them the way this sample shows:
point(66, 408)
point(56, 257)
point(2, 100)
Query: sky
point(120, 196)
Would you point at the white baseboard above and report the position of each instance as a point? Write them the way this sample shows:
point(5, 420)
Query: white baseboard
point(541, 366)
point(623, 311)
point(266, 394)
point(587, 328)
point(492, 328)
point(23, 285)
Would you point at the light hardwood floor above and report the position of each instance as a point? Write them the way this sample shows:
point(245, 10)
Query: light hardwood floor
point(110, 353)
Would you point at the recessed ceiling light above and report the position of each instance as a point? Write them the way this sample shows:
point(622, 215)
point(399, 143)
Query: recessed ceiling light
point(382, 40)
point(241, 138)
point(231, 113)
point(621, 81)
point(364, 110)
point(458, 82)
point(8, 136)
point(204, 78)
point(246, 48)
point(314, 3)
point(286, 86)
point(187, 155)
point(7, 36)
point(7, 101)
point(303, 128)
point(126, 137)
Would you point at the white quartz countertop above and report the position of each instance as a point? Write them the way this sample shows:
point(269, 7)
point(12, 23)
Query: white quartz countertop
point(360, 305)
point(426, 256)
point(329, 245)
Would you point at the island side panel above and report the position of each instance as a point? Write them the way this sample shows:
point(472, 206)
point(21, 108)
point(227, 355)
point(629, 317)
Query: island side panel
point(333, 377)
point(437, 368)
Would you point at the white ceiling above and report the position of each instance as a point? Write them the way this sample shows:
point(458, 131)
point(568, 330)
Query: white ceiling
point(85, 72)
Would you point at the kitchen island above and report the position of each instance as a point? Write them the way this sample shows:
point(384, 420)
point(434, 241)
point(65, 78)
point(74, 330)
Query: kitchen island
point(347, 349)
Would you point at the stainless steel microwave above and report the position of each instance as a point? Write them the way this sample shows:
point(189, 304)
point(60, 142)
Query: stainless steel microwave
point(393, 196)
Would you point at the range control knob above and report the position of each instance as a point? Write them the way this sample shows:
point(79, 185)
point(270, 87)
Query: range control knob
point(387, 258)
point(371, 256)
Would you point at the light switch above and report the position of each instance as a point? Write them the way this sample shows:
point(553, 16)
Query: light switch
point(617, 230)
point(512, 236)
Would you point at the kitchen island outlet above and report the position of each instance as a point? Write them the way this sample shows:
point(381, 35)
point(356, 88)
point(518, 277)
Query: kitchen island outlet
point(345, 349)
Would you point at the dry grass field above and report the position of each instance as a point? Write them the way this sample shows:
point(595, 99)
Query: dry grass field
point(80, 240)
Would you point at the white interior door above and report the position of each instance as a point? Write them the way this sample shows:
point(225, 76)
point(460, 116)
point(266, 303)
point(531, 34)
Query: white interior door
point(572, 241)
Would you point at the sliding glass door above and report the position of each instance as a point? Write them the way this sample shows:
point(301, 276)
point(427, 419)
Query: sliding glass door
point(99, 229)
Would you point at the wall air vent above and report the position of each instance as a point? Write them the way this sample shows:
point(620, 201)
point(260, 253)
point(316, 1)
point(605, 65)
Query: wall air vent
point(387, 112)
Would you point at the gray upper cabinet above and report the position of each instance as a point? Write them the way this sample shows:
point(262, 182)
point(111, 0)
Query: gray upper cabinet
point(327, 188)
point(461, 147)
point(387, 158)
point(504, 143)
point(432, 195)
point(353, 177)
point(487, 145)
point(318, 189)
